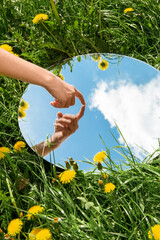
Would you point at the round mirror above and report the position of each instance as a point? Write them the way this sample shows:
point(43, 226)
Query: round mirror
point(122, 112)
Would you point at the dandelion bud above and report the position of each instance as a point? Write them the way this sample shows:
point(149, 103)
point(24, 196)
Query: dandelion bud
point(55, 220)
point(55, 182)
point(75, 166)
point(99, 166)
point(21, 215)
point(71, 161)
point(67, 165)
point(57, 176)
point(6, 236)
point(104, 175)
point(101, 184)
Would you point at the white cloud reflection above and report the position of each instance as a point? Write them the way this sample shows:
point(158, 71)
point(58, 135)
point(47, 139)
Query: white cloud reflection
point(134, 108)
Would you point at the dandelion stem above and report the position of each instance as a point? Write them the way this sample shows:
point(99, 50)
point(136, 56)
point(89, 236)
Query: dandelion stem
point(11, 195)
point(24, 235)
point(19, 86)
point(49, 32)
point(10, 192)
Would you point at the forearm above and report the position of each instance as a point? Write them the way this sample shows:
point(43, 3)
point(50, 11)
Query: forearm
point(44, 148)
point(15, 67)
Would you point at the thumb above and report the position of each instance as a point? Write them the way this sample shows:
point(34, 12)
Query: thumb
point(56, 104)
point(59, 115)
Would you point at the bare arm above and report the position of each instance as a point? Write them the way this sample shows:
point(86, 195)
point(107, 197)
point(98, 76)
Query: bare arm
point(15, 67)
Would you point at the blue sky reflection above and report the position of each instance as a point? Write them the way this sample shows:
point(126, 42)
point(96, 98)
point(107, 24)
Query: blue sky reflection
point(126, 94)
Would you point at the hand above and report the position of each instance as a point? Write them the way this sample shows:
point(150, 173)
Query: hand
point(17, 68)
point(66, 125)
point(63, 92)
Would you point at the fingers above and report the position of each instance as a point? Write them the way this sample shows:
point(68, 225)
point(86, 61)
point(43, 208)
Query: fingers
point(69, 99)
point(69, 103)
point(63, 121)
point(81, 112)
point(67, 122)
point(56, 104)
point(59, 115)
point(79, 95)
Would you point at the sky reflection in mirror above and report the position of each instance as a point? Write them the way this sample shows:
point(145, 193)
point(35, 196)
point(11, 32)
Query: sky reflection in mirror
point(119, 90)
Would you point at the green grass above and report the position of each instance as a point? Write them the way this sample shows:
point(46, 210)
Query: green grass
point(84, 210)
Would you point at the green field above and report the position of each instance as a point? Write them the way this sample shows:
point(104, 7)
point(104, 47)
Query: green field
point(80, 209)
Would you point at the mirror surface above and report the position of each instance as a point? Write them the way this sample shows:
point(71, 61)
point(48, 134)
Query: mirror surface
point(119, 92)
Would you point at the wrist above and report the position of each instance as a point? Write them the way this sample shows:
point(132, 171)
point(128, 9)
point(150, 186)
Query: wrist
point(49, 80)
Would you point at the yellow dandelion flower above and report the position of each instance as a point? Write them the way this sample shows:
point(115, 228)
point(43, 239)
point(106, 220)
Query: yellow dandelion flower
point(3, 151)
point(17, 55)
point(100, 157)
point(14, 53)
point(127, 10)
point(15, 227)
point(19, 145)
point(24, 105)
point(39, 18)
point(33, 233)
point(109, 187)
point(6, 47)
point(67, 176)
point(155, 231)
point(44, 234)
point(103, 64)
point(96, 58)
point(61, 76)
point(33, 211)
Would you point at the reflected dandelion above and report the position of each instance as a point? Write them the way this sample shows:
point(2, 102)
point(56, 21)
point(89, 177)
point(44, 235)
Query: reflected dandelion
point(96, 58)
point(24, 105)
point(61, 76)
point(21, 113)
point(103, 64)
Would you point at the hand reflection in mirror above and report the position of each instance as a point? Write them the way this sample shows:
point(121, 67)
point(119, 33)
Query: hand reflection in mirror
point(64, 127)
